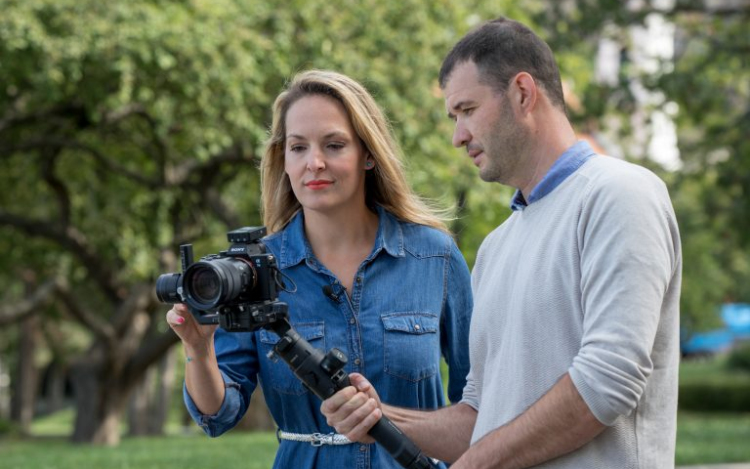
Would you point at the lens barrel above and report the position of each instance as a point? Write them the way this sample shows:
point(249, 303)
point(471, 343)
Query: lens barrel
point(166, 288)
point(207, 284)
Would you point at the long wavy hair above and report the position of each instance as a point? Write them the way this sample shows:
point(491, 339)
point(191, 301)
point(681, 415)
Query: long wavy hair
point(385, 184)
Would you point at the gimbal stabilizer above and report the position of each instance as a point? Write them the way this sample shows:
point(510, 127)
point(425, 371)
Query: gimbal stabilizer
point(322, 374)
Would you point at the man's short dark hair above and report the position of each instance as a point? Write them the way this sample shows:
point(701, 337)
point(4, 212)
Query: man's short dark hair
point(501, 49)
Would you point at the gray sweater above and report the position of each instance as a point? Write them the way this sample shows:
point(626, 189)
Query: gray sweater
point(586, 281)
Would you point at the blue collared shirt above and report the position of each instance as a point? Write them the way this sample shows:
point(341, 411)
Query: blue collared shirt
point(410, 304)
point(566, 164)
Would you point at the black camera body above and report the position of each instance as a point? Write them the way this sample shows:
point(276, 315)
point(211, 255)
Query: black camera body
point(237, 288)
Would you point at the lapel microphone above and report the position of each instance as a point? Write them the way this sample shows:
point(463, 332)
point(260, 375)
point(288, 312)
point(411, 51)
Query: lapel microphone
point(328, 291)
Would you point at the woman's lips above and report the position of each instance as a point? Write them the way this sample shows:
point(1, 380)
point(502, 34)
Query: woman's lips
point(318, 184)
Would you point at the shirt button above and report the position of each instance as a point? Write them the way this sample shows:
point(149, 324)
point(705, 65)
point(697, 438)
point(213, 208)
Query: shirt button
point(359, 279)
point(352, 321)
point(363, 448)
point(416, 326)
point(357, 361)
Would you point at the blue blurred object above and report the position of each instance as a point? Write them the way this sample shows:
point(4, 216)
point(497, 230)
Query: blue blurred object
point(736, 318)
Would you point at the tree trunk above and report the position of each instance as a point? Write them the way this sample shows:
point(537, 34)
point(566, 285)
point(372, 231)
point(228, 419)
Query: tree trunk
point(100, 402)
point(53, 390)
point(24, 390)
point(4, 391)
point(151, 399)
point(139, 407)
point(164, 392)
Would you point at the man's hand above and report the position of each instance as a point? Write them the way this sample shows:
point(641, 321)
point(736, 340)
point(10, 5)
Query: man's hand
point(354, 410)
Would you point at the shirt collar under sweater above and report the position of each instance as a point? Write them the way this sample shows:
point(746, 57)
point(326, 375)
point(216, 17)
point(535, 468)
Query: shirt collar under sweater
point(571, 159)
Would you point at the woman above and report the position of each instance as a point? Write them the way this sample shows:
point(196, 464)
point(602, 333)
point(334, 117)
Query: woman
point(377, 277)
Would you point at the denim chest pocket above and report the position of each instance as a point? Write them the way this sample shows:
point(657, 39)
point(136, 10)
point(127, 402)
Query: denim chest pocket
point(411, 345)
point(277, 374)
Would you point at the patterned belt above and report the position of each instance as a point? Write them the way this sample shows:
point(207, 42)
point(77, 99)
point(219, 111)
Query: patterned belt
point(315, 439)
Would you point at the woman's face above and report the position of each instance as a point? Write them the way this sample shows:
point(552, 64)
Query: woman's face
point(323, 157)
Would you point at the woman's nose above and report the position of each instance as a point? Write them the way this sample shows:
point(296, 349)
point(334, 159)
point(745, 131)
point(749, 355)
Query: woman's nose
point(315, 160)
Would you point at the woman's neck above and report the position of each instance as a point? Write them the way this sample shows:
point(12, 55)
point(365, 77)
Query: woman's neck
point(342, 242)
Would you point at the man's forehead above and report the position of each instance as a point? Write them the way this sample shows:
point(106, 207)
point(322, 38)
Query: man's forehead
point(463, 84)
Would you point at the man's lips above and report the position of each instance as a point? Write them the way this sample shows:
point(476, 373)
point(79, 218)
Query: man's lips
point(318, 184)
point(474, 153)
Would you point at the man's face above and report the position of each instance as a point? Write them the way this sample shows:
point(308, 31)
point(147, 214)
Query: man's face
point(485, 124)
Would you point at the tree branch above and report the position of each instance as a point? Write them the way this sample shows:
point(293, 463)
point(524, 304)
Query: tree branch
point(137, 109)
point(149, 353)
point(56, 142)
point(71, 239)
point(180, 175)
point(100, 328)
point(41, 297)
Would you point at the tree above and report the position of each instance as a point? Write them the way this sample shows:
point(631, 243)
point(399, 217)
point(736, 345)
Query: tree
point(128, 128)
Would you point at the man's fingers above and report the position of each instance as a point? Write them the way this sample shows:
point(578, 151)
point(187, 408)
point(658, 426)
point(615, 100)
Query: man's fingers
point(360, 431)
point(351, 417)
point(331, 405)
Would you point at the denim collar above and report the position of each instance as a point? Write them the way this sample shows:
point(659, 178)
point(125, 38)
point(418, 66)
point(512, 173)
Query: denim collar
point(295, 247)
point(571, 159)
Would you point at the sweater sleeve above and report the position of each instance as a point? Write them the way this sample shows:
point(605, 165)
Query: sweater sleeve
point(629, 253)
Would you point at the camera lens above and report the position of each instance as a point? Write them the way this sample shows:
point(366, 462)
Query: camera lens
point(166, 288)
point(215, 282)
point(205, 285)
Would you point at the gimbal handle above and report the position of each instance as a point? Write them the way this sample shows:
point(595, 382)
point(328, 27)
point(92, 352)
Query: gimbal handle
point(324, 376)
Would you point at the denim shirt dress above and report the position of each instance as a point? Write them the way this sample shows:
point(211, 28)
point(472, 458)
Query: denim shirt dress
point(410, 304)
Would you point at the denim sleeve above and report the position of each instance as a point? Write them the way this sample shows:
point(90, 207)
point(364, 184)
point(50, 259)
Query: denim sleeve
point(237, 355)
point(223, 420)
point(456, 318)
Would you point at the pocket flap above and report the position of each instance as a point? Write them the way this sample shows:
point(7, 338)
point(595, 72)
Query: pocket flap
point(411, 323)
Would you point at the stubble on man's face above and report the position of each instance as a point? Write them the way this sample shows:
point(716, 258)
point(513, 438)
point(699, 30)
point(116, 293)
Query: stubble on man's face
point(504, 147)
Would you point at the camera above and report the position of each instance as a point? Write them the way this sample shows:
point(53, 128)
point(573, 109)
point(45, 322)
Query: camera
point(237, 288)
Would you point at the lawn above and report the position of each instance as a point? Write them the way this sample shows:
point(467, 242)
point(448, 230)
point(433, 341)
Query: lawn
point(702, 438)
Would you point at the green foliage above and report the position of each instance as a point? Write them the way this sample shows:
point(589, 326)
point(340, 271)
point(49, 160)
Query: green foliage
point(739, 358)
point(710, 386)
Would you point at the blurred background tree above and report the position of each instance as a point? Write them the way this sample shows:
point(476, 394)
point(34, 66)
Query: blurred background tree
point(128, 128)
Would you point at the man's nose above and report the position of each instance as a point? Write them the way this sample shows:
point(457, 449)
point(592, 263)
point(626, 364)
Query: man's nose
point(461, 136)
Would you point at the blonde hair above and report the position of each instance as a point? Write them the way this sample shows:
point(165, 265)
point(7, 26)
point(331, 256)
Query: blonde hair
point(385, 184)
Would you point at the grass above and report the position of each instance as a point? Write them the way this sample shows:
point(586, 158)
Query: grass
point(712, 438)
point(242, 450)
point(702, 438)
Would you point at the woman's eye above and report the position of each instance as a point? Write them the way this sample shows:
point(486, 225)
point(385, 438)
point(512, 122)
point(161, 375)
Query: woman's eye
point(296, 148)
point(335, 146)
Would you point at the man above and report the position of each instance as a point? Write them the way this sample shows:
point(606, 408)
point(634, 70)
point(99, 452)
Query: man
point(574, 339)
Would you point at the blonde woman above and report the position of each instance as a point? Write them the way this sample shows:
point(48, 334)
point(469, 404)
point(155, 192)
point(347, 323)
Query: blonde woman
point(377, 275)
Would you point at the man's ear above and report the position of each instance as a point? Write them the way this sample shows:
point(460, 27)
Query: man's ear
point(524, 92)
